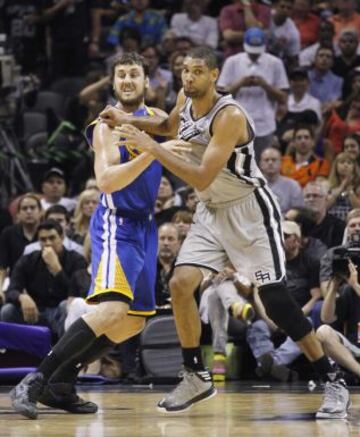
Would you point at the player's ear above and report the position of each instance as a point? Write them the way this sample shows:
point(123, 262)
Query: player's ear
point(147, 82)
point(215, 74)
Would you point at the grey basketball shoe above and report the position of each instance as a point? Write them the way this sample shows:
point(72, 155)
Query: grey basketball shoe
point(25, 395)
point(336, 401)
point(195, 387)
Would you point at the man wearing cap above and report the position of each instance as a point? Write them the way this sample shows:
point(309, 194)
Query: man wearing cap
point(258, 81)
point(348, 59)
point(53, 188)
point(302, 274)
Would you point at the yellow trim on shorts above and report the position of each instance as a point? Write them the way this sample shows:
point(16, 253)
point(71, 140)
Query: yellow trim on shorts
point(126, 293)
point(141, 313)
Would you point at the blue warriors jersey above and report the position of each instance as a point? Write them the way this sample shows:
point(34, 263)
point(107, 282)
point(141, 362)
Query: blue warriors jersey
point(124, 238)
point(138, 198)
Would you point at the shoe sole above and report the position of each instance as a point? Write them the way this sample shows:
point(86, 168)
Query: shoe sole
point(342, 415)
point(21, 408)
point(197, 400)
point(68, 408)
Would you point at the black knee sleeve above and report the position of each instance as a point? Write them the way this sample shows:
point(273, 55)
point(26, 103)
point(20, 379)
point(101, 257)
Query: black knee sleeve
point(282, 309)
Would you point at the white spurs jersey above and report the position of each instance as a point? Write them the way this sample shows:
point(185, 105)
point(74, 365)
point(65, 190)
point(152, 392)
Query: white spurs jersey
point(240, 175)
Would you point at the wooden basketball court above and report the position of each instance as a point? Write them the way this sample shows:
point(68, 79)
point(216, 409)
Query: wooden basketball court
point(238, 410)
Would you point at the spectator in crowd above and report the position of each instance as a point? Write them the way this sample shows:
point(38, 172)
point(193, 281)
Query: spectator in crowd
point(160, 78)
point(85, 207)
point(346, 18)
point(347, 59)
point(5, 219)
point(176, 66)
point(344, 184)
point(300, 100)
point(14, 238)
point(325, 36)
point(301, 163)
point(258, 81)
point(352, 147)
point(287, 191)
point(343, 308)
point(183, 44)
point(182, 219)
point(306, 219)
point(306, 22)
point(53, 189)
point(193, 23)
point(220, 300)
point(40, 282)
point(324, 84)
point(191, 199)
point(26, 34)
point(235, 19)
point(58, 214)
point(302, 273)
point(284, 37)
point(342, 120)
point(351, 233)
point(328, 228)
point(165, 195)
point(151, 24)
point(169, 245)
point(68, 24)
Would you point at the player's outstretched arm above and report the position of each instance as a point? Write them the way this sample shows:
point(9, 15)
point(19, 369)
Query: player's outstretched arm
point(158, 124)
point(111, 175)
point(229, 129)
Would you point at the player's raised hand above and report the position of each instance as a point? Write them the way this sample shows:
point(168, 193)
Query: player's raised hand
point(112, 116)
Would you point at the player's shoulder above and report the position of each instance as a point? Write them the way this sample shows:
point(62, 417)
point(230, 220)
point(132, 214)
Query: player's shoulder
point(231, 112)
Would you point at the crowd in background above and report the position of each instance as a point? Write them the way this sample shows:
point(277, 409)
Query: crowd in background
point(294, 65)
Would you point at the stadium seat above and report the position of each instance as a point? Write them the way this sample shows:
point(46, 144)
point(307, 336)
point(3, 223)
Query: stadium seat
point(46, 100)
point(34, 122)
point(160, 350)
point(21, 349)
point(67, 86)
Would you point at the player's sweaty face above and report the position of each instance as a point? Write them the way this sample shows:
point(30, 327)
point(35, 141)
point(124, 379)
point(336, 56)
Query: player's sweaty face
point(196, 77)
point(129, 83)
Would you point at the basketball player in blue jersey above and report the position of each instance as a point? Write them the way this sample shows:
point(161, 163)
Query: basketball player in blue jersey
point(124, 250)
point(237, 219)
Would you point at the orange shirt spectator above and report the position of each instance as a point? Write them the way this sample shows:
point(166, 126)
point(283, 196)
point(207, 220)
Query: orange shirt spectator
point(342, 122)
point(347, 18)
point(307, 23)
point(302, 164)
point(316, 167)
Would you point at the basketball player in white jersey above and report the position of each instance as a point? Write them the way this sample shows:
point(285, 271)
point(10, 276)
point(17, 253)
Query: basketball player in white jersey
point(237, 219)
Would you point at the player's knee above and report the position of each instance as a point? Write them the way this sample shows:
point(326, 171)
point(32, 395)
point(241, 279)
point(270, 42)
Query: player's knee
point(284, 311)
point(180, 288)
point(324, 333)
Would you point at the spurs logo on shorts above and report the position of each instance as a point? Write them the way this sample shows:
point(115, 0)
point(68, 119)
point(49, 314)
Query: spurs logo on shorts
point(262, 276)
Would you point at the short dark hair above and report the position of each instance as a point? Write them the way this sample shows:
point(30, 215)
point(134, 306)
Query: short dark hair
point(325, 47)
point(57, 209)
point(205, 53)
point(303, 127)
point(49, 225)
point(131, 58)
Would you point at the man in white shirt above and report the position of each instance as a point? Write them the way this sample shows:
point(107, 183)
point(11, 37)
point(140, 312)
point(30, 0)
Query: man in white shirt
point(287, 191)
point(284, 37)
point(53, 189)
point(259, 82)
point(202, 29)
point(299, 99)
